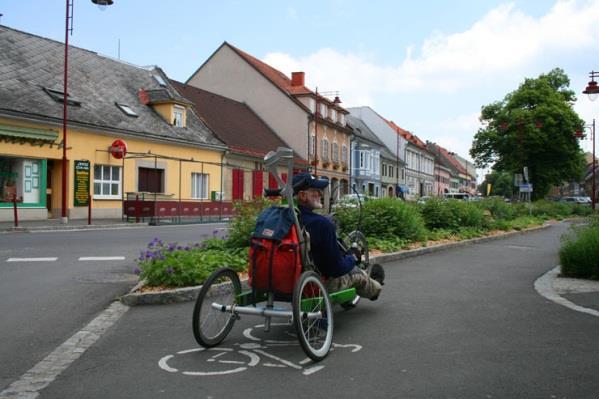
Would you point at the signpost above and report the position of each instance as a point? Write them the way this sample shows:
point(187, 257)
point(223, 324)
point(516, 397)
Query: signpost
point(81, 191)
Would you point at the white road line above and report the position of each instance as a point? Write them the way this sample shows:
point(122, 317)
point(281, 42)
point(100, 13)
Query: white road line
point(46, 371)
point(31, 259)
point(87, 258)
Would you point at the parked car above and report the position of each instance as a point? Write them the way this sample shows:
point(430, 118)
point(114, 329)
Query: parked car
point(351, 200)
point(457, 196)
point(576, 200)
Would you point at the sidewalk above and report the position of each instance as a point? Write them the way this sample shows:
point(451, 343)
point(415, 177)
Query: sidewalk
point(73, 224)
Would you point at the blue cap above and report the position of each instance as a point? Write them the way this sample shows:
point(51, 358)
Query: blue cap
point(304, 181)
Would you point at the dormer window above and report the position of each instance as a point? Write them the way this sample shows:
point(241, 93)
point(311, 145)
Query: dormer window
point(127, 110)
point(159, 79)
point(312, 105)
point(323, 110)
point(178, 116)
point(342, 119)
point(334, 114)
point(58, 96)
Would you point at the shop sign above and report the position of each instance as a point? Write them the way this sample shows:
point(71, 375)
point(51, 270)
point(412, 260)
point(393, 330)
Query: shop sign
point(82, 172)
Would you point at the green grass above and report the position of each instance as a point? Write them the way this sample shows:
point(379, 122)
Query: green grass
point(579, 253)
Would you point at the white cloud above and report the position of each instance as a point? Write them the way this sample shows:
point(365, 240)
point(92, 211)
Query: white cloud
point(503, 40)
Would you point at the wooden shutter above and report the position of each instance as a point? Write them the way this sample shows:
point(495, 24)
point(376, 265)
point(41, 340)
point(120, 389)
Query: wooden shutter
point(257, 183)
point(237, 184)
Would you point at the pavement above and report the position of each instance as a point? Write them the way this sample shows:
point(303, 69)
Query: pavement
point(577, 294)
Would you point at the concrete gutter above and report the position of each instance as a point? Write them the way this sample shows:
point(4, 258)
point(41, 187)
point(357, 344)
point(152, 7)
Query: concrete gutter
point(187, 294)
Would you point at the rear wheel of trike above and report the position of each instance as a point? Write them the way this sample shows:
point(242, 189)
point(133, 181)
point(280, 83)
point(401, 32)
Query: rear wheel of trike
point(210, 325)
point(313, 316)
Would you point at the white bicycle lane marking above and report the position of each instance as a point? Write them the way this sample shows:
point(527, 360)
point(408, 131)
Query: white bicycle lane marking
point(251, 352)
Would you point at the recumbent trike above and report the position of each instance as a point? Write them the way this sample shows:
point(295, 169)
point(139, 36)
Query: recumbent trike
point(221, 299)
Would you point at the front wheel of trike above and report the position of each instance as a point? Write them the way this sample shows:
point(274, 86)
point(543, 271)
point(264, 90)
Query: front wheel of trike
point(313, 316)
point(211, 325)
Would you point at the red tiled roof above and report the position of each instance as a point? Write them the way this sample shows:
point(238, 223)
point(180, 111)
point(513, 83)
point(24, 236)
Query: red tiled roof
point(451, 159)
point(407, 135)
point(233, 122)
point(277, 77)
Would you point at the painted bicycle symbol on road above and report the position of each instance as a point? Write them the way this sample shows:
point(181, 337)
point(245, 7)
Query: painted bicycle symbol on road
point(223, 360)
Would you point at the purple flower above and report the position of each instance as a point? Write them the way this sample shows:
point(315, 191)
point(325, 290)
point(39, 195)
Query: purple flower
point(137, 271)
point(172, 246)
point(187, 248)
point(169, 270)
point(215, 233)
point(179, 247)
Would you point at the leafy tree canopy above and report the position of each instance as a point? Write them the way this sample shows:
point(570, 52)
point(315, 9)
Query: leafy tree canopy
point(532, 126)
point(501, 184)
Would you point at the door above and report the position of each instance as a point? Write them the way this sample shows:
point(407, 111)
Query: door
point(257, 183)
point(31, 181)
point(237, 184)
point(151, 180)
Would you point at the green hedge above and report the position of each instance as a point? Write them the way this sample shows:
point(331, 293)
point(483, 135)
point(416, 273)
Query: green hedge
point(453, 215)
point(579, 253)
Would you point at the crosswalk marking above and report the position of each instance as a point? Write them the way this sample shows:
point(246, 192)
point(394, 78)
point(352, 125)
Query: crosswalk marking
point(31, 259)
point(85, 258)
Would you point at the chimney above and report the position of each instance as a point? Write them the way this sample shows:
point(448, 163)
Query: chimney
point(337, 100)
point(297, 78)
point(144, 97)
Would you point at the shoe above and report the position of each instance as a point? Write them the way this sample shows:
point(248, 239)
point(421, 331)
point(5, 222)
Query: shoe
point(377, 273)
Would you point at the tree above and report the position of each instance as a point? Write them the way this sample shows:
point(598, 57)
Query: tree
point(501, 184)
point(532, 126)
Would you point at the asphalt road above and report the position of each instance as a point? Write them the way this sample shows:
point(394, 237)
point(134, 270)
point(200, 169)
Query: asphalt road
point(48, 292)
point(462, 323)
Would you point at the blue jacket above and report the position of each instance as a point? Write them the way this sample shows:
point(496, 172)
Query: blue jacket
point(323, 241)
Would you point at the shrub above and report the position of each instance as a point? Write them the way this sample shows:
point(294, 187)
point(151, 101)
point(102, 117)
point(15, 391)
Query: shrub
point(387, 244)
point(177, 265)
point(579, 253)
point(452, 215)
point(497, 207)
point(551, 209)
point(384, 218)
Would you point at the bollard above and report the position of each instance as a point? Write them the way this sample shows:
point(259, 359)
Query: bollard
point(89, 209)
point(14, 205)
point(137, 208)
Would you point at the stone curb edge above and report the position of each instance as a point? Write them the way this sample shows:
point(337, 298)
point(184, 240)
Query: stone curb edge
point(42, 229)
point(188, 294)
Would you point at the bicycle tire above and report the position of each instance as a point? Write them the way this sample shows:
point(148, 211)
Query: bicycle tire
point(211, 326)
point(315, 335)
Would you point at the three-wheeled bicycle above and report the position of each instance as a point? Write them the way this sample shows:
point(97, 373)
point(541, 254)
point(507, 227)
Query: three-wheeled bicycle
point(222, 298)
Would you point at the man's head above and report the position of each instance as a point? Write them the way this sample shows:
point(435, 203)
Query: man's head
point(308, 190)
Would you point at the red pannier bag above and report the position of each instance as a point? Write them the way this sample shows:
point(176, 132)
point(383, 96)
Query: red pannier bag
point(275, 260)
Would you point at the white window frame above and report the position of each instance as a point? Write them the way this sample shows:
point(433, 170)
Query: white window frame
point(335, 149)
point(344, 153)
point(312, 105)
point(323, 110)
point(312, 145)
point(325, 149)
point(178, 115)
point(334, 114)
point(342, 118)
point(199, 185)
point(108, 180)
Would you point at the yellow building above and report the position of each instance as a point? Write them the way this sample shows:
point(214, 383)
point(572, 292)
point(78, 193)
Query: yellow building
point(170, 153)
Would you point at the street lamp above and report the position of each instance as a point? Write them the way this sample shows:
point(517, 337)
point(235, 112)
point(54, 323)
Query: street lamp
point(579, 134)
point(69, 19)
point(593, 91)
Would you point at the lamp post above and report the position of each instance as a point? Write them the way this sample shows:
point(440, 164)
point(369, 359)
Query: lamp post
point(593, 91)
point(579, 134)
point(69, 28)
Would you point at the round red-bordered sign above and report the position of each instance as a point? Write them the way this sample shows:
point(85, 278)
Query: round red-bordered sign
point(118, 149)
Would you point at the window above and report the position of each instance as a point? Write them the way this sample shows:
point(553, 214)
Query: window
point(58, 96)
point(361, 159)
point(334, 114)
point(178, 116)
point(107, 182)
point(323, 110)
point(312, 143)
point(199, 186)
point(325, 149)
point(391, 171)
point(344, 153)
point(342, 119)
point(312, 105)
point(335, 154)
point(159, 79)
point(127, 109)
point(150, 180)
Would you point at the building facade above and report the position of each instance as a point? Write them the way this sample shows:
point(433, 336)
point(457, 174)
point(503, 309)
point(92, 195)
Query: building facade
point(129, 133)
point(314, 126)
point(366, 159)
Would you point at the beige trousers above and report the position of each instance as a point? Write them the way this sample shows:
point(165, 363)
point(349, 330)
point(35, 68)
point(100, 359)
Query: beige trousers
point(358, 279)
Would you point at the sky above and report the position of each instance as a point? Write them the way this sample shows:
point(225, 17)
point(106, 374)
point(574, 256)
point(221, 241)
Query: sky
point(428, 66)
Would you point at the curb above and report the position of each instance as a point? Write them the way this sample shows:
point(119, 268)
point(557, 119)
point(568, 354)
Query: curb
point(43, 229)
point(187, 294)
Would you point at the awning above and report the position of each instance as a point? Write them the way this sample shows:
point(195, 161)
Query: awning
point(402, 188)
point(28, 133)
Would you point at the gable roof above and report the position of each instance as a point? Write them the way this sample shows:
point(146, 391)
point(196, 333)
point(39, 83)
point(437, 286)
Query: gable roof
point(412, 138)
point(446, 158)
point(233, 122)
point(28, 63)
